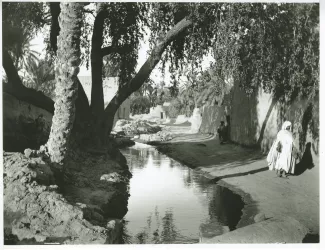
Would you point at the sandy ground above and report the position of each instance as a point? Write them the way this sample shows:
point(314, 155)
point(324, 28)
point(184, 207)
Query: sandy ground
point(290, 205)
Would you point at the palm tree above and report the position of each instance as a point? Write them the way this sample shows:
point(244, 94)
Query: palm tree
point(68, 62)
point(40, 76)
point(187, 98)
point(189, 92)
point(212, 89)
point(21, 49)
point(207, 89)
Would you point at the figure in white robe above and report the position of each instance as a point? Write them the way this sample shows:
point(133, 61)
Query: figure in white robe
point(281, 156)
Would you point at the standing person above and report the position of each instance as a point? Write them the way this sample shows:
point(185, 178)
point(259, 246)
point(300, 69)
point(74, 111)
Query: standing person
point(222, 131)
point(283, 153)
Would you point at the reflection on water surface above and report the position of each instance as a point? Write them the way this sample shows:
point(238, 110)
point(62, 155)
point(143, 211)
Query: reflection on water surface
point(171, 203)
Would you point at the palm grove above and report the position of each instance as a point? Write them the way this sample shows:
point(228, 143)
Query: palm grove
point(274, 46)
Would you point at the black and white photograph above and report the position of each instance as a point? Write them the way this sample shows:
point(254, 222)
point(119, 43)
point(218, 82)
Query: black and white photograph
point(158, 122)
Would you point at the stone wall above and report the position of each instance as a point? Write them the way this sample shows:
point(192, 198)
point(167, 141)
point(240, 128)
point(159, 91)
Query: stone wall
point(256, 119)
point(243, 117)
point(196, 120)
point(211, 117)
point(158, 112)
point(124, 110)
point(110, 87)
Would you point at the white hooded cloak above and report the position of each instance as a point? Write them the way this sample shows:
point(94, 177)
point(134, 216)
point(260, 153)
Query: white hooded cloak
point(282, 160)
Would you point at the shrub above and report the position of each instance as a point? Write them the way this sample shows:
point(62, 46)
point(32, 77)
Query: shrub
point(175, 108)
point(139, 105)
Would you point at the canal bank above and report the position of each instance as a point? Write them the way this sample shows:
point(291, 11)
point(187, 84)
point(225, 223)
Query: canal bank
point(287, 208)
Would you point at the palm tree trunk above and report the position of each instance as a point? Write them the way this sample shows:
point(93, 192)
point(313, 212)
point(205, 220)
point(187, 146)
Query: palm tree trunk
point(66, 80)
point(55, 27)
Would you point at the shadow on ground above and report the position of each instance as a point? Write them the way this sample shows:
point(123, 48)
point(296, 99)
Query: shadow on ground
point(241, 174)
point(210, 154)
point(311, 238)
point(306, 161)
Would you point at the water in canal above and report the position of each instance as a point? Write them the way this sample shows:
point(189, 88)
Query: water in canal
point(171, 203)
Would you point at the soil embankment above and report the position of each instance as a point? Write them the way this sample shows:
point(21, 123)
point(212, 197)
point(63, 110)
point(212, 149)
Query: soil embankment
point(84, 204)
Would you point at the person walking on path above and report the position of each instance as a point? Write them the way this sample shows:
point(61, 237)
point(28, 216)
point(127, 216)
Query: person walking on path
point(222, 131)
point(283, 153)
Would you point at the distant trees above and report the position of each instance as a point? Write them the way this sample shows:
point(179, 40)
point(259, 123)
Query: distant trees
point(40, 75)
point(139, 105)
point(20, 22)
point(20, 28)
point(275, 46)
point(176, 108)
point(21, 49)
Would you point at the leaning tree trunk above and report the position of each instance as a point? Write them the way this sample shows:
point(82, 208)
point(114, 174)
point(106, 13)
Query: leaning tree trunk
point(67, 69)
point(16, 88)
point(138, 80)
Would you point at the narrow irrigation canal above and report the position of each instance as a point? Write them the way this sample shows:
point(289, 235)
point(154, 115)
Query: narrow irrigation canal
point(171, 203)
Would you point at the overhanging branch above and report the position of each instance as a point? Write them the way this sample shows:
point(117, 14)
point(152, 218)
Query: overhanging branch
point(106, 51)
point(151, 62)
point(10, 69)
point(120, 50)
point(16, 88)
point(126, 90)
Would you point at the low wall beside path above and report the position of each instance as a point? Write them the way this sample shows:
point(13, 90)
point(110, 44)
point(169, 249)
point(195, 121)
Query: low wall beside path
point(211, 117)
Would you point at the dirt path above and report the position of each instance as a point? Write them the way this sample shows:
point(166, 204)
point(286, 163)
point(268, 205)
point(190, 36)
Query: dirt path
point(245, 171)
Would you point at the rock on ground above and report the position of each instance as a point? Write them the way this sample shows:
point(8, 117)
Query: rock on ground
point(212, 229)
point(135, 127)
point(160, 136)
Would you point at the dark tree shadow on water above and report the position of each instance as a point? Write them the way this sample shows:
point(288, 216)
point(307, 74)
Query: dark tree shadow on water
point(226, 206)
point(306, 161)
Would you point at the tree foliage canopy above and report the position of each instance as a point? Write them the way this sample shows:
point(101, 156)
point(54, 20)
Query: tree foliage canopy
point(279, 42)
point(275, 46)
point(139, 105)
point(40, 76)
point(272, 45)
point(21, 22)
